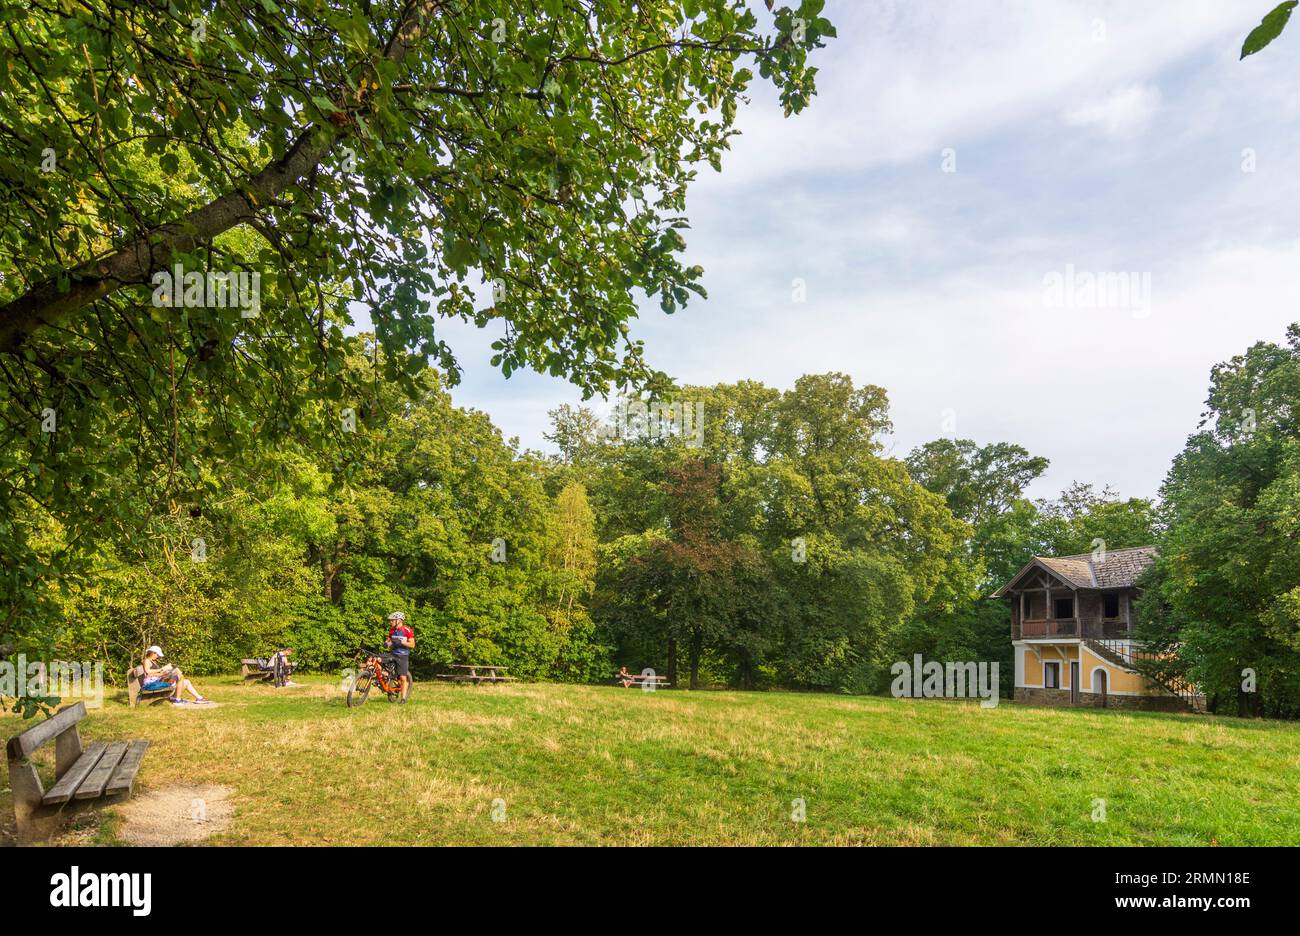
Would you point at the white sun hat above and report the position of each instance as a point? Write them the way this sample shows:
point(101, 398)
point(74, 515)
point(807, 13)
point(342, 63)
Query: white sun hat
point(155, 649)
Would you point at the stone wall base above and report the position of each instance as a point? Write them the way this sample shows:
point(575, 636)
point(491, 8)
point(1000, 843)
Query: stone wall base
point(1062, 698)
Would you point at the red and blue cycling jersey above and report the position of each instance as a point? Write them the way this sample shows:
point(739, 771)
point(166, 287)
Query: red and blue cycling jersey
point(395, 635)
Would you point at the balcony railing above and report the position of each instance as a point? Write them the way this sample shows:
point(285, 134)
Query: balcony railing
point(1070, 627)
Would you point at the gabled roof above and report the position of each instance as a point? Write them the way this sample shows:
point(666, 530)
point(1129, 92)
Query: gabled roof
point(1116, 568)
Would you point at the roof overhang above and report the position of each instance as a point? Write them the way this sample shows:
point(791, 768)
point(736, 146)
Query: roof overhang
point(1028, 567)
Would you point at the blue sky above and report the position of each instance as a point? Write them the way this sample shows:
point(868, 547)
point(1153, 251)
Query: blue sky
point(1108, 137)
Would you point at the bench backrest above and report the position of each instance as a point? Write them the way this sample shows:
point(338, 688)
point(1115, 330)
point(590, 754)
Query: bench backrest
point(24, 744)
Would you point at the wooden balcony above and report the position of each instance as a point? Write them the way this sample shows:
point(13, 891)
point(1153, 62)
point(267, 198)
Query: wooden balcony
point(1070, 627)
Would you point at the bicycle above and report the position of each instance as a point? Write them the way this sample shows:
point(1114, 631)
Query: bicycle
point(376, 669)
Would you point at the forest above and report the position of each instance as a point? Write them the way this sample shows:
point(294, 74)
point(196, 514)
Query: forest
point(224, 478)
point(780, 548)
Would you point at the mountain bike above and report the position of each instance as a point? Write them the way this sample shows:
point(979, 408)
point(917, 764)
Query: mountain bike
point(376, 669)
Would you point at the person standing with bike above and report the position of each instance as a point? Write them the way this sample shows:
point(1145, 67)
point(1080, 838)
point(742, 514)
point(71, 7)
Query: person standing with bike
point(401, 641)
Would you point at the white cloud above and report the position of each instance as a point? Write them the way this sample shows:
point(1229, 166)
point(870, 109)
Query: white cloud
point(931, 284)
point(907, 79)
point(1121, 113)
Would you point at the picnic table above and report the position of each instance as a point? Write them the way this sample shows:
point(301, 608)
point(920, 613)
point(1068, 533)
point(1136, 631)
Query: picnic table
point(476, 673)
point(638, 679)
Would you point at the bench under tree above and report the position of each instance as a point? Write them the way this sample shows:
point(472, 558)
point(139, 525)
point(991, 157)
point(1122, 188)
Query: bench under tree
point(277, 668)
point(135, 691)
point(101, 773)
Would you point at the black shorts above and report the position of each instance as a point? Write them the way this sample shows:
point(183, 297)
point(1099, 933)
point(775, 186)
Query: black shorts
point(402, 664)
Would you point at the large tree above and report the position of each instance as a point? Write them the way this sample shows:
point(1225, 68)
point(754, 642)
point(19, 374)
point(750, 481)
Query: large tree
point(1224, 596)
point(518, 166)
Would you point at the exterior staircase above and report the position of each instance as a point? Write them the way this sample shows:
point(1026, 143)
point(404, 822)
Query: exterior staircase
point(1126, 654)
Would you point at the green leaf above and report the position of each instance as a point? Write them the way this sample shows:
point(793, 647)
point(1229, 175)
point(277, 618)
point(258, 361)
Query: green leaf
point(1269, 28)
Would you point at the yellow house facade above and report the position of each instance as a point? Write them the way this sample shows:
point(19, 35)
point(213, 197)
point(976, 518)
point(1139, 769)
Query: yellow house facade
point(1071, 633)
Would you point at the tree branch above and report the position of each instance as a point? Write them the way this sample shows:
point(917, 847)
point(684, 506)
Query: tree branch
point(56, 298)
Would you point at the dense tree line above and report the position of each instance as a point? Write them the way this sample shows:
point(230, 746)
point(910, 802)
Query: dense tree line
point(779, 547)
point(521, 167)
point(1223, 600)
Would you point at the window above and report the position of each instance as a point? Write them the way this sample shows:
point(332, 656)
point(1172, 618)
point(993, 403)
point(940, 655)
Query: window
point(1063, 608)
point(1051, 675)
point(1111, 609)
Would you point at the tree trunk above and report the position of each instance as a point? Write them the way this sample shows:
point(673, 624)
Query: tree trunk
point(331, 587)
point(695, 663)
point(746, 671)
point(672, 660)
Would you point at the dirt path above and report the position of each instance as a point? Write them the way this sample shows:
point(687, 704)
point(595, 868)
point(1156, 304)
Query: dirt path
point(176, 815)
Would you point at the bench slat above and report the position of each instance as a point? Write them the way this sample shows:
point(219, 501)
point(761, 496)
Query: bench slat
point(124, 775)
point(64, 719)
point(67, 785)
point(98, 779)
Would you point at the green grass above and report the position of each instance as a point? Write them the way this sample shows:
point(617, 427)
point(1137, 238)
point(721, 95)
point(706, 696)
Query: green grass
point(590, 765)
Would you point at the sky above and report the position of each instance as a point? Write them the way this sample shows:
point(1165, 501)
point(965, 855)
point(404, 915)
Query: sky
point(965, 169)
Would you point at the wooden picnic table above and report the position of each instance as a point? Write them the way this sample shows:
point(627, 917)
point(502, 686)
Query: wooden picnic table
point(470, 673)
point(637, 679)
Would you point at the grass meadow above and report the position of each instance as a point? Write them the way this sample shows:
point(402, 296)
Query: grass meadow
point(548, 764)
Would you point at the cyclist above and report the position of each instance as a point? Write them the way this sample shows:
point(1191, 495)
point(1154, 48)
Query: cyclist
point(401, 641)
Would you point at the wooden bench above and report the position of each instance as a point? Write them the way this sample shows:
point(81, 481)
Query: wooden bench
point(252, 669)
point(491, 673)
point(636, 679)
point(134, 680)
point(98, 774)
point(265, 669)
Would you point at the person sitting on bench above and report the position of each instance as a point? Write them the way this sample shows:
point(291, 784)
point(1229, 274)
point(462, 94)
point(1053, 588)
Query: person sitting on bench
point(626, 678)
point(282, 667)
point(160, 677)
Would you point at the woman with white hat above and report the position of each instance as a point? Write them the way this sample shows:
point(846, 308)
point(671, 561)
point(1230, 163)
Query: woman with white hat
point(161, 677)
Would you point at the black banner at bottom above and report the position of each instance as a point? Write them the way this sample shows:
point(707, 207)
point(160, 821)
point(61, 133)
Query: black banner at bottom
point(305, 885)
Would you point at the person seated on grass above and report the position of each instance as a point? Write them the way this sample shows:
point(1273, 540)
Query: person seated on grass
point(626, 678)
point(158, 676)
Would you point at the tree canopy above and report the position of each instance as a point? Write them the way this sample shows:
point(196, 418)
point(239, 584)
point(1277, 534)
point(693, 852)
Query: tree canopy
point(522, 167)
point(1223, 602)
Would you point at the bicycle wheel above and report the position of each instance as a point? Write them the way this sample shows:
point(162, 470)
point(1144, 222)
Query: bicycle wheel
point(359, 689)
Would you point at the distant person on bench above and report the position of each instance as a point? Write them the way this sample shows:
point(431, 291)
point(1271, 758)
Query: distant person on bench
point(285, 668)
point(626, 678)
point(158, 676)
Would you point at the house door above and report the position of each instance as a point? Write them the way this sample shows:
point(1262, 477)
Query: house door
point(1074, 681)
point(1099, 684)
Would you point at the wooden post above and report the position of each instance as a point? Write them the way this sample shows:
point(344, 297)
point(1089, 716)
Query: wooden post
point(27, 794)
